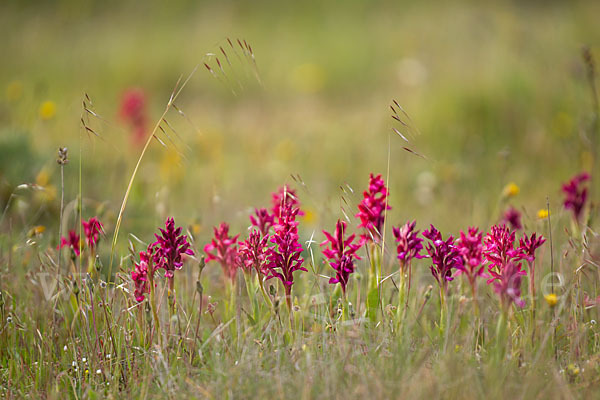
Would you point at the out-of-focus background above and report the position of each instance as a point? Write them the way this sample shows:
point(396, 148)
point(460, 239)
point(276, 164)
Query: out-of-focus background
point(495, 93)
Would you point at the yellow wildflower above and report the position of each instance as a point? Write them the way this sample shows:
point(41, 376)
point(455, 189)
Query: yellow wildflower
point(551, 299)
point(36, 231)
point(309, 216)
point(47, 110)
point(573, 370)
point(510, 190)
point(196, 228)
point(542, 213)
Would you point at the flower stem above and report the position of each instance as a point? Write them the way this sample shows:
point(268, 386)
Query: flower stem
point(443, 314)
point(501, 335)
point(153, 304)
point(533, 300)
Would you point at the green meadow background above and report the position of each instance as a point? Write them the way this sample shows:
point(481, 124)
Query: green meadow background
point(496, 92)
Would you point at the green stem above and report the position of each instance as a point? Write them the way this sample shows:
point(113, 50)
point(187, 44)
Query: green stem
point(264, 293)
point(373, 295)
point(153, 305)
point(402, 295)
point(443, 314)
point(501, 335)
point(533, 300)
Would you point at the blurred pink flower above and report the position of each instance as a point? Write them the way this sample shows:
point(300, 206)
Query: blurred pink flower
point(576, 194)
point(471, 250)
point(133, 112)
point(223, 248)
point(92, 228)
point(512, 217)
point(71, 241)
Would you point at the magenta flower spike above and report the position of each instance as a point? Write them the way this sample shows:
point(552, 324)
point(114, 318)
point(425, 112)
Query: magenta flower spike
point(576, 194)
point(285, 257)
point(408, 243)
point(371, 209)
point(512, 217)
point(499, 248)
point(262, 220)
point(341, 253)
point(529, 245)
point(92, 229)
point(223, 249)
point(252, 252)
point(527, 248)
point(282, 198)
point(72, 241)
point(171, 245)
point(470, 248)
point(505, 265)
point(141, 272)
point(444, 255)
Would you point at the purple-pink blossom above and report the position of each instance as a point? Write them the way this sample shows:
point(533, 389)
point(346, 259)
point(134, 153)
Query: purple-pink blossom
point(72, 241)
point(408, 242)
point(282, 198)
point(341, 253)
point(252, 252)
point(512, 217)
point(499, 247)
point(133, 111)
point(285, 257)
point(505, 264)
point(576, 194)
point(141, 271)
point(470, 248)
point(223, 249)
point(263, 220)
point(529, 245)
point(92, 229)
point(371, 209)
point(171, 245)
point(444, 255)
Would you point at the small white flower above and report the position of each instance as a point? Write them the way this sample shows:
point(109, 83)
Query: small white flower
point(84, 359)
point(65, 348)
point(108, 356)
point(74, 364)
point(98, 371)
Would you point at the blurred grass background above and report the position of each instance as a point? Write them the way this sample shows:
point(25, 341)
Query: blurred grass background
point(497, 90)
